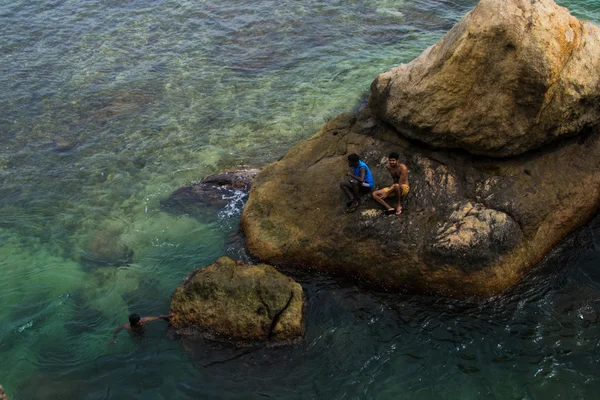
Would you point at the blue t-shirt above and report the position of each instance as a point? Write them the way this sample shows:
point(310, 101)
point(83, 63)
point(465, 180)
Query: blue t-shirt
point(368, 176)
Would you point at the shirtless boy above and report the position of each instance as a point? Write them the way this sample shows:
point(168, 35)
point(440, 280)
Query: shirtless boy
point(399, 188)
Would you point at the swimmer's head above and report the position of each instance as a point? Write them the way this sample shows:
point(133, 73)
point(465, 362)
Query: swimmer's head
point(134, 320)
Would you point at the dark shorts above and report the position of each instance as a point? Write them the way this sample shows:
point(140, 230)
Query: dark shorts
point(361, 187)
point(364, 189)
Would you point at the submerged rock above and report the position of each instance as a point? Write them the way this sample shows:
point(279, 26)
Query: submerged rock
point(470, 226)
point(106, 248)
point(51, 387)
point(239, 303)
point(579, 302)
point(83, 321)
point(3, 395)
point(511, 76)
point(118, 103)
point(63, 144)
point(212, 193)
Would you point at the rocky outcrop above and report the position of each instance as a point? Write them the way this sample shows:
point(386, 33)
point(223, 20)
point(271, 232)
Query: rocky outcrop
point(239, 303)
point(504, 84)
point(210, 194)
point(470, 226)
point(511, 76)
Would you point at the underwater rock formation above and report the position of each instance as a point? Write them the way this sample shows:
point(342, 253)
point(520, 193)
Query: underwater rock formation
point(64, 144)
point(211, 193)
point(239, 303)
point(511, 76)
point(106, 248)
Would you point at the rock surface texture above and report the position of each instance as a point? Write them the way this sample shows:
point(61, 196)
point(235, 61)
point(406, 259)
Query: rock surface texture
point(492, 189)
point(470, 226)
point(511, 76)
point(239, 303)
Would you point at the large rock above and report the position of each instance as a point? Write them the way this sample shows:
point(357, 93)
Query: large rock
point(511, 76)
point(471, 225)
point(239, 303)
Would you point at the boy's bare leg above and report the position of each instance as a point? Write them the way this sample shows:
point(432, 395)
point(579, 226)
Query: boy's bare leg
point(398, 191)
point(347, 189)
point(379, 196)
point(351, 190)
point(355, 192)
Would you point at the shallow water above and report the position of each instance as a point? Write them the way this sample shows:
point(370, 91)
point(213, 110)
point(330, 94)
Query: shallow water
point(150, 95)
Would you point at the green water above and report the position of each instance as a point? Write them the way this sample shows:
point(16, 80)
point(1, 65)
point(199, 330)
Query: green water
point(153, 95)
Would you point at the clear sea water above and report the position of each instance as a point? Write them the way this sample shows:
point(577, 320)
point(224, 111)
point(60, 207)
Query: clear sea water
point(153, 95)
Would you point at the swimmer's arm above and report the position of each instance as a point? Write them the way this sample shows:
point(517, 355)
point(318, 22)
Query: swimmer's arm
point(117, 330)
point(150, 319)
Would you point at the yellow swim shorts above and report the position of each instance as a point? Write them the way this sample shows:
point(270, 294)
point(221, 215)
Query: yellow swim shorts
point(389, 191)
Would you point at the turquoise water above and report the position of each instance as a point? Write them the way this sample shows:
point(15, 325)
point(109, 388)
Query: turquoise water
point(152, 95)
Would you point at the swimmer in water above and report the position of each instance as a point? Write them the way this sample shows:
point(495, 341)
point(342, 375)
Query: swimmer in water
point(136, 324)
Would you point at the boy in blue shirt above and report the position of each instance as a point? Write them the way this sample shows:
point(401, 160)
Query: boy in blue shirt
point(361, 181)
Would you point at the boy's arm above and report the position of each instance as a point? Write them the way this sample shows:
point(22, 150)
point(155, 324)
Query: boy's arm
point(360, 178)
point(363, 173)
point(404, 174)
point(116, 332)
point(150, 319)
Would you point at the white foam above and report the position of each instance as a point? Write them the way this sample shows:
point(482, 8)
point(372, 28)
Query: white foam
point(234, 206)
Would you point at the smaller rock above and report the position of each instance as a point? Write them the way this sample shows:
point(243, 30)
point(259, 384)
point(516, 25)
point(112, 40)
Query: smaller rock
point(238, 179)
point(239, 303)
point(212, 193)
point(62, 144)
point(106, 248)
point(83, 321)
point(579, 302)
point(3, 395)
point(44, 386)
